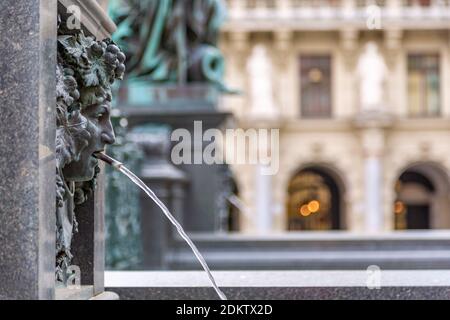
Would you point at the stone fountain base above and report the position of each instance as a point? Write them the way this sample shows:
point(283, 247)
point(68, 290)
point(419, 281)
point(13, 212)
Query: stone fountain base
point(83, 293)
point(284, 285)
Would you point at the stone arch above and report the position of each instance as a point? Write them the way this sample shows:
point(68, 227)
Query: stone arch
point(429, 196)
point(331, 180)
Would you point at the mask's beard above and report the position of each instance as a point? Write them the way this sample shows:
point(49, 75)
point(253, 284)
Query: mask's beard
point(72, 137)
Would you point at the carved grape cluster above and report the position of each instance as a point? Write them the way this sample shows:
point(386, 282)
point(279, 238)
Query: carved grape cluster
point(114, 58)
point(71, 83)
point(67, 92)
point(96, 64)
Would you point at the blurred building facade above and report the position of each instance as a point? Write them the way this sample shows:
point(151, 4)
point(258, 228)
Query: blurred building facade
point(343, 165)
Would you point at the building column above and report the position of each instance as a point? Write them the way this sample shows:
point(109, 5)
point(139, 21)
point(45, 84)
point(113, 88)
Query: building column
point(236, 9)
point(283, 40)
point(373, 146)
point(27, 149)
point(394, 7)
point(348, 8)
point(284, 8)
point(237, 57)
point(263, 198)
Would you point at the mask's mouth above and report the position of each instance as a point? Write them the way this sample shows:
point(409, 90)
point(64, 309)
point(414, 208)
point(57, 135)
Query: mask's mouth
point(98, 151)
point(94, 154)
point(112, 162)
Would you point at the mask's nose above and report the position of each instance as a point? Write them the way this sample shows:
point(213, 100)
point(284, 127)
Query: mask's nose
point(108, 136)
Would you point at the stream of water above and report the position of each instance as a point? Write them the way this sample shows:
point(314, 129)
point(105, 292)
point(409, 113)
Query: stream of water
point(119, 166)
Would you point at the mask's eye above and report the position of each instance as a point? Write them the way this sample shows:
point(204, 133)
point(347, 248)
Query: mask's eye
point(101, 113)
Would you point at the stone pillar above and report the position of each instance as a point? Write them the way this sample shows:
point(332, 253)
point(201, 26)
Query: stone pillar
point(349, 45)
point(394, 7)
point(373, 180)
point(393, 43)
point(348, 8)
point(237, 8)
point(168, 183)
point(283, 74)
point(284, 9)
point(89, 243)
point(27, 148)
point(263, 205)
point(239, 52)
point(373, 149)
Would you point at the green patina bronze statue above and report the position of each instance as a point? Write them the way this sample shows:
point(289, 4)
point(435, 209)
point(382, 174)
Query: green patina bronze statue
point(171, 41)
point(85, 72)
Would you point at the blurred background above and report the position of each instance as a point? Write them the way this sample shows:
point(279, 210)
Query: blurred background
point(359, 92)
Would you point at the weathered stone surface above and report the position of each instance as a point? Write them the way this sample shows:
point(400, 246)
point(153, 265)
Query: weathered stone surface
point(107, 295)
point(89, 242)
point(93, 17)
point(281, 285)
point(27, 146)
point(83, 293)
point(291, 293)
point(316, 251)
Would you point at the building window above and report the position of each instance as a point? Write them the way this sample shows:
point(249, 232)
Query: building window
point(422, 3)
point(423, 85)
point(315, 82)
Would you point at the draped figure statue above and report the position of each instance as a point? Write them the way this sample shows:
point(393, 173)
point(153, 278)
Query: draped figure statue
point(171, 41)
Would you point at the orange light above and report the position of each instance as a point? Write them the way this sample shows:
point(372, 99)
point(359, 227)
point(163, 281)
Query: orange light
point(304, 211)
point(399, 207)
point(315, 75)
point(314, 206)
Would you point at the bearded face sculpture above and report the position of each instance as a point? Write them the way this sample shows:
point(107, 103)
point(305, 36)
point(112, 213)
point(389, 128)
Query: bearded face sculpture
point(86, 70)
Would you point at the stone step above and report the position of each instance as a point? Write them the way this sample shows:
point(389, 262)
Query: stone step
point(304, 285)
point(405, 250)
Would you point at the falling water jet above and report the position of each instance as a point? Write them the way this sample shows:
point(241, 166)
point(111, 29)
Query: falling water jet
point(120, 167)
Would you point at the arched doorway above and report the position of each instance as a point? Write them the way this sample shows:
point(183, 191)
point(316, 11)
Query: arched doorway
point(314, 201)
point(422, 200)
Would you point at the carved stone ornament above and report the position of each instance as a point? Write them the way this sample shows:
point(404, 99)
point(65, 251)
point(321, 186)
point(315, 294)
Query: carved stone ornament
point(85, 72)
